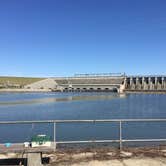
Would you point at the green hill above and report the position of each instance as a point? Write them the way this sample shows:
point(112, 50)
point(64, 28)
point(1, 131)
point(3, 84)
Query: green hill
point(18, 80)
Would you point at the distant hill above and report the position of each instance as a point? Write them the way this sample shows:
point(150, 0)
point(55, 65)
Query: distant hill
point(19, 80)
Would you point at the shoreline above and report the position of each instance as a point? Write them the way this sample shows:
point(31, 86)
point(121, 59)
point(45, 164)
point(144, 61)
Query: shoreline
point(98, 156)
point(49, 90)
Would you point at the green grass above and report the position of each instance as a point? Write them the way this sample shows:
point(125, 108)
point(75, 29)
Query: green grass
point(19, 80)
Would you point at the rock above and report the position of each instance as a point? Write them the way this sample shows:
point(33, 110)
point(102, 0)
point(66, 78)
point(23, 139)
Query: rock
point(83, 155)
point(125, 154)
point(110, 153)
point(10, 155)
point(3, 156)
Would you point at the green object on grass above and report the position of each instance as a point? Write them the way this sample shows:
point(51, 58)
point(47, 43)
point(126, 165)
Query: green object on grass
point(40, 139)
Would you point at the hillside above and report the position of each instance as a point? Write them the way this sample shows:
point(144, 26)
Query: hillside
point(18, 80)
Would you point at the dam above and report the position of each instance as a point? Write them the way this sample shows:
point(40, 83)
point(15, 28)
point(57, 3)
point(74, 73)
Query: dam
point(119, 82)
point(93, 82)
point(147, 83)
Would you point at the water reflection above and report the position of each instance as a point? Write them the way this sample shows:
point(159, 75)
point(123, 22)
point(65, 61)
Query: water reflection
point(68, 98)
point(52, 106)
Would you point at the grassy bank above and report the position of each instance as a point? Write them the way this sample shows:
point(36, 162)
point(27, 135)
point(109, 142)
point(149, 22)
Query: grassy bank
point(19, 80)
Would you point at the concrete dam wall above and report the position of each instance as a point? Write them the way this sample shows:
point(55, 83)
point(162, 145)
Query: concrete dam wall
point(90, 83)
point(151, 83)
point(102, 83)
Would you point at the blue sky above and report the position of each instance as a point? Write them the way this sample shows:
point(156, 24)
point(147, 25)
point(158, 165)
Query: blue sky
point(64, 37)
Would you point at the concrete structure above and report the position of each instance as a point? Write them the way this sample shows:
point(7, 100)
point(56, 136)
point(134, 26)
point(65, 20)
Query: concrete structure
point(116, 83)
point(34, 159)
point(146, 83)
point(110, 83)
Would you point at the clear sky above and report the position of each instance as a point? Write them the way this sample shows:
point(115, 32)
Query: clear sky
point(64, 37)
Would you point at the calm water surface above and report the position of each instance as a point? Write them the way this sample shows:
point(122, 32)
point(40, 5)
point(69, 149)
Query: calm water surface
point(50, 106)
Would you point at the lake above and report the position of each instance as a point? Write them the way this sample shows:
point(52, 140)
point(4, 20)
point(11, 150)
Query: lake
point(60, 106)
